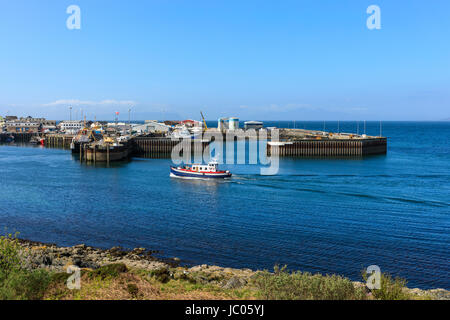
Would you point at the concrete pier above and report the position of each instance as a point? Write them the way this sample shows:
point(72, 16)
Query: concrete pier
point(19, 137)
point(58, 140)
point(329, 148)
point(293, 143)
point(162, 147)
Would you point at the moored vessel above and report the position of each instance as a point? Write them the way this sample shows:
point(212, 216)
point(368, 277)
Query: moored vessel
point(84, 136)
point(37, 140)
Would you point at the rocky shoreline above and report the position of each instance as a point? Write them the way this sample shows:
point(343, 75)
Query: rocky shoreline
point(57, 259)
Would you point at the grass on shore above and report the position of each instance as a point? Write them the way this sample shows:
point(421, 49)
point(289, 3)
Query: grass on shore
point(117, 282)
point(16, 282)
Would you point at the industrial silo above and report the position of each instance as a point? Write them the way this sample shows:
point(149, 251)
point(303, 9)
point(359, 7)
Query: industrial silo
point(221, 124)
point(233, 123)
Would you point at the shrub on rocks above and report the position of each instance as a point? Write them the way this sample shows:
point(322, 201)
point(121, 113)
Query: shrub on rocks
point(133, 290)
point(283, 285)
point(391, 289)
point(109, 271)
point(161, 274)
point(16, 281)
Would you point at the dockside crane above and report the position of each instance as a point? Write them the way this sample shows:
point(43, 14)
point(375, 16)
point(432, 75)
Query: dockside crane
point(204, 122)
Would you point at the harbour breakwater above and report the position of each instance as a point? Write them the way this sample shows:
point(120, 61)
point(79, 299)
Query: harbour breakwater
point(329, 148)
point(57, 259)
point(292, 143)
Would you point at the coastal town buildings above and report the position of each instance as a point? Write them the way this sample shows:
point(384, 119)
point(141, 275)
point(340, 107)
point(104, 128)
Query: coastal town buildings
point(70, 127)
point(151, 126)
point(28, 124)
point(10, 118)
point(23, 126)
point(192, 123)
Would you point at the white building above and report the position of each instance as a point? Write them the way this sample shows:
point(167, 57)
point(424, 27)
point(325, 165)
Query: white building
point(151, 126)
point(253, 125)
point(71, 127)
point(22, 126)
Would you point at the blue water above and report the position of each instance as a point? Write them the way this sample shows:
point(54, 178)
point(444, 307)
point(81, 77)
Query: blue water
point(328, 216)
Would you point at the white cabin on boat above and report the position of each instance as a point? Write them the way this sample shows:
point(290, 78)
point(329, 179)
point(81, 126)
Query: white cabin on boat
point(210, 167)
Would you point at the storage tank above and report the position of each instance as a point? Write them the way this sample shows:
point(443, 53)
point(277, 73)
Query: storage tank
point(221, 124)
point(233, 123)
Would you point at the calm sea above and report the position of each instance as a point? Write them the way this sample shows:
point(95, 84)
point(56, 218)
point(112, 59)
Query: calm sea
point(328, 216)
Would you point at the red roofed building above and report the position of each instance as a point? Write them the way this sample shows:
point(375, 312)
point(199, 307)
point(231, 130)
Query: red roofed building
point(192, 123)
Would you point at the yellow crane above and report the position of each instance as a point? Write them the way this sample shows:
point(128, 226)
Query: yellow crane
point(204, 122)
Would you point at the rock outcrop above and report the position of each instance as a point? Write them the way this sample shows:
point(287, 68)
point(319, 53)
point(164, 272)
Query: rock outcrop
point(38, 255)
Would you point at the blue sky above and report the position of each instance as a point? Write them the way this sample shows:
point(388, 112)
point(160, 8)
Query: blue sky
point(281, 60)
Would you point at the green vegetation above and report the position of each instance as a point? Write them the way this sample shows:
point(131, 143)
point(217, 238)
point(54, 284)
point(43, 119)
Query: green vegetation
point(391, 289)
point(162, 275)
point(109, 271)
point(282, 285)
point(116, 281)
point(133, 290)
point(16, 282)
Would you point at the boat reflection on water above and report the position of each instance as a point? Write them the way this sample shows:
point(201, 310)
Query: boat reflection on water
point(102, 164)
point(209, 186)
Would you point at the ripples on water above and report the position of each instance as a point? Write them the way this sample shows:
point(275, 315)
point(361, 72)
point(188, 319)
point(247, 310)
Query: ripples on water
point(328, 216)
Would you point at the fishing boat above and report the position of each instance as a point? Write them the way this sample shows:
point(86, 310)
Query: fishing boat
point(182, 133)
point(199, 171)
point(37, 140)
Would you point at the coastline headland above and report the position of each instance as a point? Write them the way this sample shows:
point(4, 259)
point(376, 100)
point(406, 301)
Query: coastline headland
point(142, 261)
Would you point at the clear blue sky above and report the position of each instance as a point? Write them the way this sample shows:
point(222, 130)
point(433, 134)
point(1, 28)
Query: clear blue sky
point(281, 60)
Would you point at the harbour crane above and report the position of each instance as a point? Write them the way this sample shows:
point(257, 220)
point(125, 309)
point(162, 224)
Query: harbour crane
point(204, 122)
